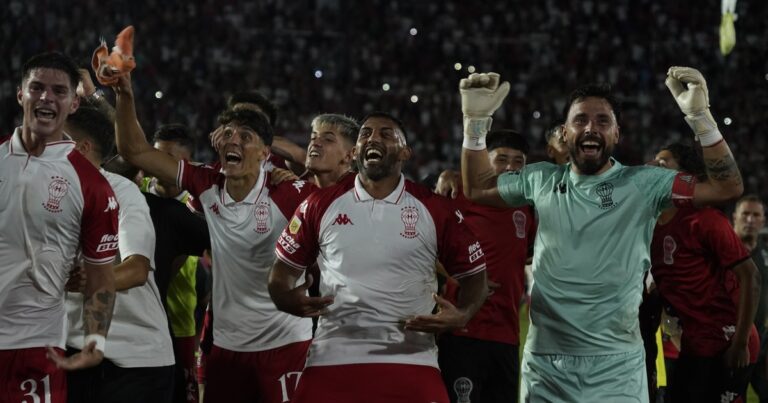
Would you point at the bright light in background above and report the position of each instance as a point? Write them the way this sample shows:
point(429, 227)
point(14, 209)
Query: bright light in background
point(727, 121)
point(766, 76)
point(385, 87)
point(536, 114)
point(457, 66)
point(414, 99)
point(158, 94)
point(318, 73)
point(471, 68)
point(413, 31)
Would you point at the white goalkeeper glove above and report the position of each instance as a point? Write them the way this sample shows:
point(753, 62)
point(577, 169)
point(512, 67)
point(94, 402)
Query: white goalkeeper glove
point(481, 95)
point(689, 88)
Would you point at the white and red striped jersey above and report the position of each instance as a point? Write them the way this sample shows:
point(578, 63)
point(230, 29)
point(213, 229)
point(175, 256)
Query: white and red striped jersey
point(243, 237)
point(377, 258)
point(51, 207)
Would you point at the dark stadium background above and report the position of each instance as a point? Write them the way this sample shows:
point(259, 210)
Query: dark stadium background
point(196, 53)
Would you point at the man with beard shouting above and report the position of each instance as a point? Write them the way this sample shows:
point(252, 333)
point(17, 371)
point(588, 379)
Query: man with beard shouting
point(596, 220)
point(376, 237)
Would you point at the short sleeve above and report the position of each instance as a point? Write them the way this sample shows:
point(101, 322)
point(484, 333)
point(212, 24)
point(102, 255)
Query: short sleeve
point(196, 179)
point(719, 237)
point(298, 243)
point(519, 188)
point(135, 229)
point(459, 250)
point(656, 183)
point(98, 229)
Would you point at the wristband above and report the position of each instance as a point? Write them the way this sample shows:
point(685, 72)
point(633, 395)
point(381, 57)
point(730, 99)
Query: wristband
point(475, 130)
point(100, 340)
point(705, 128)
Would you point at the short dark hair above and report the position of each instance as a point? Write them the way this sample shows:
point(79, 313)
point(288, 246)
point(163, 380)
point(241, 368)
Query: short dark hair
point(348, 127)
point(604, 91)
point(177, 133)
point(688, 159)
point(53, 60)
point(507, 138)
point(97, 125)
point(750, 198)
point(553, 132)
point(381, 114)
point(255, 120)
point(256, 98)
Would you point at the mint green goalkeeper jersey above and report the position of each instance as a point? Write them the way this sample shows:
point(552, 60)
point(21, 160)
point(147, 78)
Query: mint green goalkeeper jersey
point(591, 251)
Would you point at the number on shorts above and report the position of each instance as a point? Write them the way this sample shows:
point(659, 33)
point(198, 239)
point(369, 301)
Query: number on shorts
point(284, 383)
point(33, 390)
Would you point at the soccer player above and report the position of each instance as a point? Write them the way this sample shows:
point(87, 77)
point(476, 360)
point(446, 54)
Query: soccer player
point(139, 362)
point(376, 237)
point(481, 362)
point(329, 152)
point(55, 204)
point(596, 219)
point(178, 284)
point(702, 270)
point(748, 221)
point(258, 351)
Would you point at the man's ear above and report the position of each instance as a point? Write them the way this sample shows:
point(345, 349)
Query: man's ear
point(617, 134)
point(75, 104)
point(19, 95)
point(405, 153)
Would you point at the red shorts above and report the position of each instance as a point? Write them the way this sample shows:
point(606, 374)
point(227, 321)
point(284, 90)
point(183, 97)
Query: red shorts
point(184, 353)
point(371, 383)
point(26, 375)
point(268, 376)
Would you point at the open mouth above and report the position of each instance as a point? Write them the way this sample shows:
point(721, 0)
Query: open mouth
point(373, 155)
point(45, 114)
point(314, 153)
point(590, 148)
point(233, 158)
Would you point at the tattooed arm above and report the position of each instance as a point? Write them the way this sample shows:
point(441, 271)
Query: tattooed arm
point(724, 182)
point(97, 315)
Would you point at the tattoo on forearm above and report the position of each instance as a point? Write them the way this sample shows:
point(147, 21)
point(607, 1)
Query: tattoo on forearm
point(723, 169)
point(97, 312)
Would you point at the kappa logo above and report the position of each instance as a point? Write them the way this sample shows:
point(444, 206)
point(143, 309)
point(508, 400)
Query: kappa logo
point(342, 219)
point(215, 208)
point(459, 216)
point(298, 185)
point(111, 204)
point(729, 331)
point(57, 189)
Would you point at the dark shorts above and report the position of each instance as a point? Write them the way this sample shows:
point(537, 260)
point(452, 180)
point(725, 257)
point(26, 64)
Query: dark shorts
point(371, 383)
point(26, 375)
point(479, 370)
point(108, 383)
point(706, 379)
point(268, 376)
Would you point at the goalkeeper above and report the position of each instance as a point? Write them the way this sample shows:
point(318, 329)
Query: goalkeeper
point(596, 220)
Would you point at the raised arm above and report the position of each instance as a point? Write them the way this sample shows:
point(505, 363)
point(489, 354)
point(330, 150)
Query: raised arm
point(689, 88)
point(481, 95)
point(130, 139)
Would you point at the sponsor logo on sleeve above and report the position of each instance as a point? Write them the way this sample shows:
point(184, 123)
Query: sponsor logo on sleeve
point(294, 226)
point(475, 252)
point(288, 244)
point(111, 204)
point(107, 243)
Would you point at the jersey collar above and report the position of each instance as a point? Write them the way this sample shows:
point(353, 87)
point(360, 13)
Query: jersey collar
point(253, 195)
point(53, 150)
point(393, 198)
